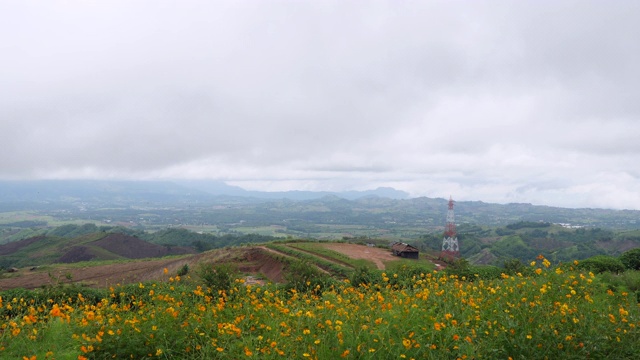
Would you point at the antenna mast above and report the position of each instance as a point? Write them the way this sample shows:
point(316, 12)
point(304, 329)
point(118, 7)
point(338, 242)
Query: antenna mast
point(450, 243)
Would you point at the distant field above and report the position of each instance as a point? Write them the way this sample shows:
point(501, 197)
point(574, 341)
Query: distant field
point(17, 216)
point(154, 222)
point(207, 229)
point(273, 230)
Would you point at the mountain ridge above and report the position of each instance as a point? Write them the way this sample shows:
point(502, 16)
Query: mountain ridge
point(218, 203)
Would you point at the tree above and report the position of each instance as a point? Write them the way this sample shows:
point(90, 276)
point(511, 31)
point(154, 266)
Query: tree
point(602, 263)
point(631, 259)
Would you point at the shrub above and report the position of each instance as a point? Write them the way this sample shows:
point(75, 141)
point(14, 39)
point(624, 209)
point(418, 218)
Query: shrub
point(486, 272)
point(627, 281)
point(303, 276)
point(631, 259)
point(406, 274)
point(602, 263)
point(460, 267)
point(184, 270)
point(361, 276)
point(218, 277)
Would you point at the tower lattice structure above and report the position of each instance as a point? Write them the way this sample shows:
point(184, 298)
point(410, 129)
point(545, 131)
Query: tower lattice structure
point(450, 246)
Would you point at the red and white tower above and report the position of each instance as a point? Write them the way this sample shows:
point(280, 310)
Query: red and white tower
point(450, 243)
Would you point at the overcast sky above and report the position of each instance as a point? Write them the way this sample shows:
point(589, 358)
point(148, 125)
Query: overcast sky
point(499, 101)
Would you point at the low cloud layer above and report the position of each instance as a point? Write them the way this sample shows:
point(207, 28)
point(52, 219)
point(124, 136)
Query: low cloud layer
point(494, 101)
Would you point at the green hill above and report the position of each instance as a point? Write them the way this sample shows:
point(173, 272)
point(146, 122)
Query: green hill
point(47, 249)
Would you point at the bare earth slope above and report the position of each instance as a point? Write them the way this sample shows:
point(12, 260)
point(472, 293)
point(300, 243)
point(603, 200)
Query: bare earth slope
point(95, 276)
point(249, 260)
point(355, 251)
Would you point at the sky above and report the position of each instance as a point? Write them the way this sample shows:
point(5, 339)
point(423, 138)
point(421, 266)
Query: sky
point(498, 101)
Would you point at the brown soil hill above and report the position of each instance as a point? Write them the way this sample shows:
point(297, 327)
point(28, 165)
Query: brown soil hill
point(133, 248)
point(10, 248)
point(77, 254)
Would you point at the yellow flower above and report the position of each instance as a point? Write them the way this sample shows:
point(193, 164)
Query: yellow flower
point(247, 352)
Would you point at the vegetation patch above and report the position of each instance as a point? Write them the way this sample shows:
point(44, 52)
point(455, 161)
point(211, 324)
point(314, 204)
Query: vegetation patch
point(329, 266)
point(556, 312)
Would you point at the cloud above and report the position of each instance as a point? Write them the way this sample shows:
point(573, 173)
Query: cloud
point(493, 101)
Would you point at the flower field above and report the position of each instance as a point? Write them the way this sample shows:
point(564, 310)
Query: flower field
point(555, 312)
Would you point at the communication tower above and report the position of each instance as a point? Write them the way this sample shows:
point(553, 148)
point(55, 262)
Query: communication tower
point(450, 243)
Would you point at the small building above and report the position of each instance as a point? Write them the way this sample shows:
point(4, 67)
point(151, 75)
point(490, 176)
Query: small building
point(404, 250)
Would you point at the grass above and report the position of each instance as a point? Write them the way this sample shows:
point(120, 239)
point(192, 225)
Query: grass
point(554, 313)
point(333, 268)
point(317, 248)
point(423, 263)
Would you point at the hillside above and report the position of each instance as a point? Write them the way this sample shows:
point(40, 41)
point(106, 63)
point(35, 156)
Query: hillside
point(197, 307)
point(526, 240)
point(42, 250)
point(268, 262)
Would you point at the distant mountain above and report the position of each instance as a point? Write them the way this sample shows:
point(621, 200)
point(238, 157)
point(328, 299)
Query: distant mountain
point(213, 202)
point(221, 188)
point(103, 191)
point(140, 193)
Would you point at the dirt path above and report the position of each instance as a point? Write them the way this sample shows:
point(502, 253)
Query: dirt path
point(355, 251)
